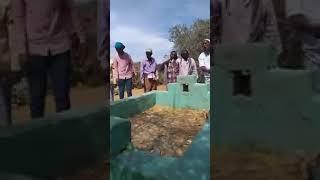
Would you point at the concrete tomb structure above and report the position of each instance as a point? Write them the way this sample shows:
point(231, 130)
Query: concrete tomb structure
point(256, 104)
point(129, 163)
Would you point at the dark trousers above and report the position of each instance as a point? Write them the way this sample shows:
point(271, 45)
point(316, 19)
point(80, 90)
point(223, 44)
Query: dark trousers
point(58, 68)
point(5, 103)
point(125, 84)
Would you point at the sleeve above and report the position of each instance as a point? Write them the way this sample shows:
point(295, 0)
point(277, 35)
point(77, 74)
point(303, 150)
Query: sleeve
point(132, 65)
point(76, 21)
point(200, 59)
point(19, 25)
point(103, 31)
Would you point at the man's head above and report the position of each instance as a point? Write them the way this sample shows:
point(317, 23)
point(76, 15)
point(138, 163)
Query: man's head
point(149, 53)
point(185, 54)
point(173, 55)
point(206, 45)
point(119, 48)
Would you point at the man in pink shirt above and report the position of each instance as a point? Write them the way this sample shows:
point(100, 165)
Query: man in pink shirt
point(43, 33)
point(123, 70)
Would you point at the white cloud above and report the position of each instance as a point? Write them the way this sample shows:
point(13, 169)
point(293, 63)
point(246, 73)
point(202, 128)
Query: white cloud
point(137, 40)
point(145, 24)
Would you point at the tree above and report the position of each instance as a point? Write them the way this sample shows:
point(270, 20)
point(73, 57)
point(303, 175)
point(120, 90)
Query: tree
point(190, 37)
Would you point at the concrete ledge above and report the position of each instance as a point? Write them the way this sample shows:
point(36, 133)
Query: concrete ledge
point(58, 144)
point(120, 135)
point(6, 176)
point(138, 165)
point(281, 112)
point(133, 105)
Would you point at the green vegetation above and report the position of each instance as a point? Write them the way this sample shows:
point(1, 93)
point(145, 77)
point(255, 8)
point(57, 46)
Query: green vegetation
point(190, 37)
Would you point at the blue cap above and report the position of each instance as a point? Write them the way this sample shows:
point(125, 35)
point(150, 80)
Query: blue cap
point(119, 45)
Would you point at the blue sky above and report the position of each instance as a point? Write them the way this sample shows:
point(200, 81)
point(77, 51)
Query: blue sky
point(141, 24)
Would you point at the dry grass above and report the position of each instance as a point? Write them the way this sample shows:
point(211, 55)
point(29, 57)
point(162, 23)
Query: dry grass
point(166, 131)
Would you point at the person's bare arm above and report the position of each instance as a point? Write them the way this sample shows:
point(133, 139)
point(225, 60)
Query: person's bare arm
point(132, 66)
point(162, 65)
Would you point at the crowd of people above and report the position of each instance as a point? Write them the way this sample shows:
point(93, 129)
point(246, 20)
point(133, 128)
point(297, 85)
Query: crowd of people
point(122, 69)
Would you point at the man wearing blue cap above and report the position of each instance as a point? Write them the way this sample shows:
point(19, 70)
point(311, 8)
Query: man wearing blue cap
point(123, 70)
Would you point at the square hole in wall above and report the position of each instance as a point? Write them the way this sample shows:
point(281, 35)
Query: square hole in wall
point(185, 87)
point(242, 83)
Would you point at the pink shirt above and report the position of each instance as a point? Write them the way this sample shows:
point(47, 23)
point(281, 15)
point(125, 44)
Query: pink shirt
point(123, 66)
point(45, 25)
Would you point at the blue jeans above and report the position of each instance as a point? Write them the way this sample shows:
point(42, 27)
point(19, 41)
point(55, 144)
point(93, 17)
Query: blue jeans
point(58, 68)
point(125, 84)
point(5, 103)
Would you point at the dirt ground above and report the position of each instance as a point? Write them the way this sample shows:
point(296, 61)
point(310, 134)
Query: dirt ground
point(80, 97)
point(166, 131)
point(229, 165)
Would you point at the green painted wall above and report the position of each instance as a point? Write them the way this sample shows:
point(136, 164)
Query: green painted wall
point(281, 113)
point(137, 165)
point(197, 97)
point(120, 135)
point(134, 105)
point(55, 145)
point(6, 176)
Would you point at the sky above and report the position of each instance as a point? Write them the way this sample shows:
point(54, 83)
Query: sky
point(142, 24)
